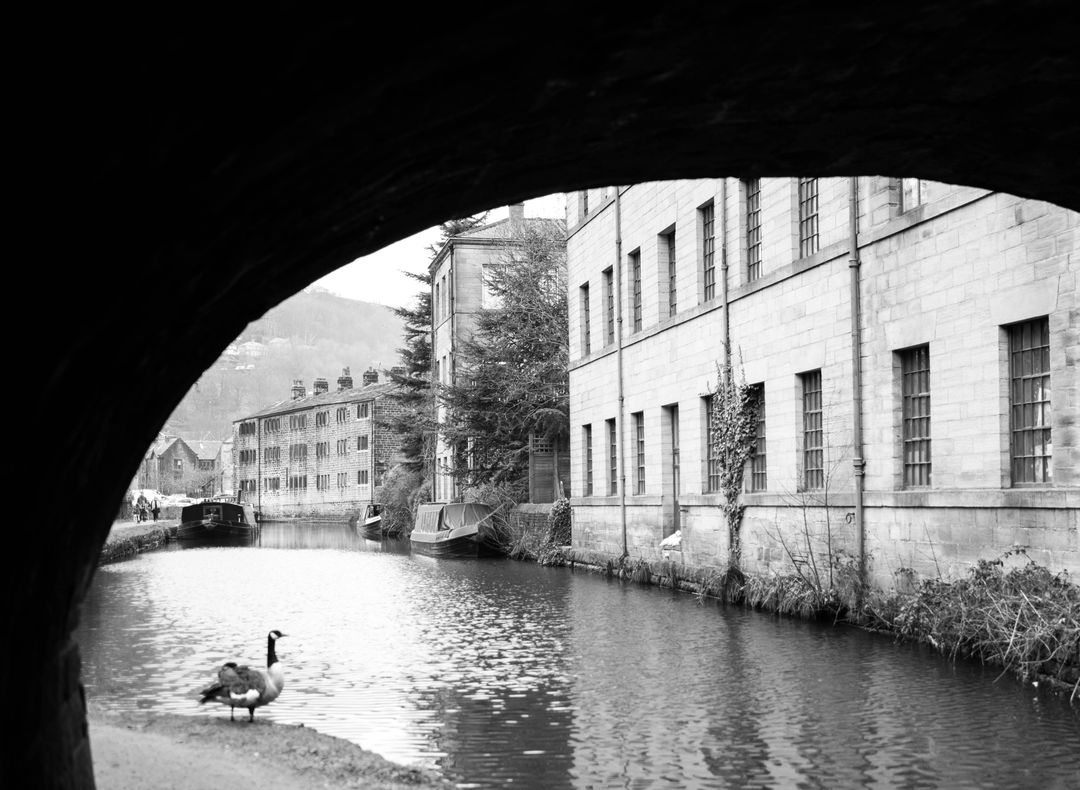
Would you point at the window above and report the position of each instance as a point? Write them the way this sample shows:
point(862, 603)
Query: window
point(271, 483)
point(586, 325)
point(635, 278)
point(712, 458)
point(249, 485)
point(609, 311)
point(752, 188)
point(322, 482)
point(915, 415)
point(587, 441)
point(706, 215)
point(808, 217)
point(342, 446)
point(759, 481)
point(247, 457)
point(361, 442)
point(343, 480)
point(667, 245)
point(912, 193)
point(322, 449)
point(272, 454)
point(247, 429)
point(362, 411)
point(322, 419)
point(362, 477)
point(613, 458)
point(272, 425)
point(1029, 401)
point(490, 299)
point(813, 477)
point(297, 422)
point(297, 481)
point(639, 438)
point(297, 452)
point(342, 414)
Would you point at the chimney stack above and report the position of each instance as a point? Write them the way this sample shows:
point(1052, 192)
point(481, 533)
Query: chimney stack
point(344, 381)
point(321, 386)
point(517, 218)
point(371, 376)
point(298, 390)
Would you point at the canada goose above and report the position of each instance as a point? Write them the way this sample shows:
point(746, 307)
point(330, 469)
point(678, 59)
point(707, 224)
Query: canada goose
point(248, 687)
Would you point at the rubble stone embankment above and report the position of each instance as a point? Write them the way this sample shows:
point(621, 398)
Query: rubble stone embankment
point(128, 538)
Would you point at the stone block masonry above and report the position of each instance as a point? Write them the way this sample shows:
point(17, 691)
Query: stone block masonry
point(954, 276)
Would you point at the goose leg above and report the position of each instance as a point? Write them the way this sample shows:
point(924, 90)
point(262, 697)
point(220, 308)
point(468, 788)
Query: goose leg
point(251, 712)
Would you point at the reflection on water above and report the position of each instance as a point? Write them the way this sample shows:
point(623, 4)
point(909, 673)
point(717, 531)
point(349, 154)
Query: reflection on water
point(498, 672)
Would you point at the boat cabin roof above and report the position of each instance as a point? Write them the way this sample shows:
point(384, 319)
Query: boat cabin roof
point(434, 517)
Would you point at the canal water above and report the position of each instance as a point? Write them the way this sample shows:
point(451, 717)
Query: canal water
point(506, 674)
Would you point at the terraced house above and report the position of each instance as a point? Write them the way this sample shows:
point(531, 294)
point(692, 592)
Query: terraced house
point(321, 455)
point(913, 346)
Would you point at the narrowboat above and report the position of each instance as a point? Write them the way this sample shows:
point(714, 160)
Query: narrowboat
point(370, 522)
point(460, 529)
point(218, 521)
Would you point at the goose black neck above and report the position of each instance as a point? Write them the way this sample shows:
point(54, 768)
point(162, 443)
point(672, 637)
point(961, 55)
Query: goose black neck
point(271, 654)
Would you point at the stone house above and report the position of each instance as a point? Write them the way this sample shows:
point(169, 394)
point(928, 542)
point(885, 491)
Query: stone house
point(321, 455)
point(929, 422)
point(458, 295)
point(172, 466)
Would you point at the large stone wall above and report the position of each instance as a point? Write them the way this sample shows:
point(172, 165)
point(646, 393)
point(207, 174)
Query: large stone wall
point(952, 273)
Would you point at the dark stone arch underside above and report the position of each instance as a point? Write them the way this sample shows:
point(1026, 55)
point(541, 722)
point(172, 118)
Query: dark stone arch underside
point(191, 171)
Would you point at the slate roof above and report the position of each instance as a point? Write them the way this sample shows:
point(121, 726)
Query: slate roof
point(500, 229)
point(206, 450)
point(331, 398)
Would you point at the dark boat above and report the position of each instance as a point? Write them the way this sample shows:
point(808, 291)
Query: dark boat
point(461, 529)
point(370, 522)
point(218, 521)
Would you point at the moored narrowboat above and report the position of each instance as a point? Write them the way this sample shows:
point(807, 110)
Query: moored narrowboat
point(370, 522)
point(218, 521)
point(459, 529)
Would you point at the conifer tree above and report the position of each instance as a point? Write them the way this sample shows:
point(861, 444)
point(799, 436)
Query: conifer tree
point(512, 377)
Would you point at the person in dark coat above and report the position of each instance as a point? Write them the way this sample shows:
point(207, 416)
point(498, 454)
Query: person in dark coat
point(155, 509)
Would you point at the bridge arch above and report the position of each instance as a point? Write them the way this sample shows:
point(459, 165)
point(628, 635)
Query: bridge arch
point(198, 172)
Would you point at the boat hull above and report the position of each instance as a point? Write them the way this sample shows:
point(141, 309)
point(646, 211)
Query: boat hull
point(372, 530)
point(218, 523)
point(460, 542)
point(216, 533)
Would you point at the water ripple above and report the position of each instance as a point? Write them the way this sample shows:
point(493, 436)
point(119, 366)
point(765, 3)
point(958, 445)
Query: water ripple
point(497, 672)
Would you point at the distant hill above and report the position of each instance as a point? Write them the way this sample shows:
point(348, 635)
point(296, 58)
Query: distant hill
point(313, 334)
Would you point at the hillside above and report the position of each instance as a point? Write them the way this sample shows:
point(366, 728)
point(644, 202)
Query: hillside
point(315, 333)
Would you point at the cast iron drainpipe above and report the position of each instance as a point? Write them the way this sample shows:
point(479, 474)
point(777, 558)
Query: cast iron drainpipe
point(858, 462)
point(619, 426)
